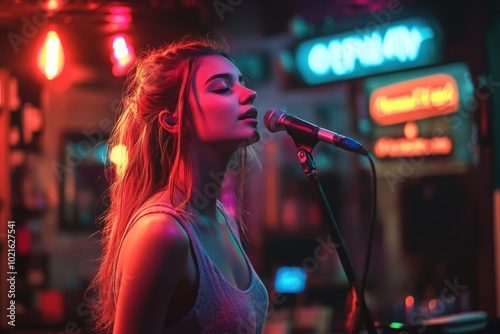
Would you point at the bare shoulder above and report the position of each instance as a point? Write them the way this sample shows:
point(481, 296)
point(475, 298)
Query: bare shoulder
point(157, 231)
point(156, 241)
point(152, 262)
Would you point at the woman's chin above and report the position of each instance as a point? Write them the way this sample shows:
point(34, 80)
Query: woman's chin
point(253, 139)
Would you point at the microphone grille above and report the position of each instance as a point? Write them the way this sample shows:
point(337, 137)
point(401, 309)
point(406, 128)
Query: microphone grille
point(271, 120)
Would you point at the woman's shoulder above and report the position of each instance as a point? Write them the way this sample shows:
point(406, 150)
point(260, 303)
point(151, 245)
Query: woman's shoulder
point(153, 260)
point(161, 231)
point(159, 217)
point(156, 240)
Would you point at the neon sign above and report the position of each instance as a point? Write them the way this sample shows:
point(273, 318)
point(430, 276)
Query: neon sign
point(404, 44)
point(414, 99)
point(432, 98)
point(412, 145)
point(402, 147)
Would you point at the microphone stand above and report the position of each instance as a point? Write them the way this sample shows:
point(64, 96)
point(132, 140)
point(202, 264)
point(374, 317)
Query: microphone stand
point(305, 145)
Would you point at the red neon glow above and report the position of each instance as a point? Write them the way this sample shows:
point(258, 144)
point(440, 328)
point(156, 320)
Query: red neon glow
point(412, 145)
point(51, 56)
point(411, 130)
point(120, 18)
point(402, 147)
point(53, 5)
point(122, 55)
point(414, 99)
point(409, 301)
point(432, 304)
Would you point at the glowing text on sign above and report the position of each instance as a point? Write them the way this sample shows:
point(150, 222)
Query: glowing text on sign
point(342, 55)
point(412, 145)
point(407, 44)
point(414, 99)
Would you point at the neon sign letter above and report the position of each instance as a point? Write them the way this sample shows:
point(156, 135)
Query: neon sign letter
point(420, 98)
point(352, 54)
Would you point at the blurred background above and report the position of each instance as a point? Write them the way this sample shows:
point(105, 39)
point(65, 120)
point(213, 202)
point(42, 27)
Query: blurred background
point(415, 81)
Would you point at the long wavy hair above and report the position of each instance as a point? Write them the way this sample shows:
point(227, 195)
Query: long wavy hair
point(159, 79)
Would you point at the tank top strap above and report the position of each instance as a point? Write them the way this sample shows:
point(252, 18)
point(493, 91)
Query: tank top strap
point(233, 226)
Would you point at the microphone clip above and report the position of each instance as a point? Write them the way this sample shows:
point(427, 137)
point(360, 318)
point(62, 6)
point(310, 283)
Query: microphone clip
point(302, 142)
point(306, 161)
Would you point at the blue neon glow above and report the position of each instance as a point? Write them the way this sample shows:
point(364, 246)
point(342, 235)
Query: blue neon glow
point(290, 280)
point(399, 43)
point(407, 44)
point(100, 153)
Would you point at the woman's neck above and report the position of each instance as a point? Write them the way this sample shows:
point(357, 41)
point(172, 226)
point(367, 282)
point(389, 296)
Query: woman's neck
point(208, 166)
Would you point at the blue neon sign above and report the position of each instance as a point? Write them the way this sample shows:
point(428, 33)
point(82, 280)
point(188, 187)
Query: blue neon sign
point(405, 44)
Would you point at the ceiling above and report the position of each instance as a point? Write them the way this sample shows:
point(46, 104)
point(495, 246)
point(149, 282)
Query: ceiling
point(273, 16)
point(90, 23)
point(86, 26)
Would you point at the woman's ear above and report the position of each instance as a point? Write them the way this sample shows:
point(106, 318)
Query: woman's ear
point(168, 120)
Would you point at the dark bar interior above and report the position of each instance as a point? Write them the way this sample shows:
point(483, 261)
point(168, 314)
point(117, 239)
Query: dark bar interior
point(415, 82)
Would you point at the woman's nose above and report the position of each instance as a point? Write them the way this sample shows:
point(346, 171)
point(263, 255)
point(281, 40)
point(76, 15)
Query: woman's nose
point(248, 96)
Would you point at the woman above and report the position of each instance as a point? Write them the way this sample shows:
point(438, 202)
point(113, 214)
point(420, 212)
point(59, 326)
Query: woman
point(172, 260)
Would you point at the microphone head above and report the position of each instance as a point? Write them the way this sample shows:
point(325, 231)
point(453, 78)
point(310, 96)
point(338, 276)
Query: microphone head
point(272, 120)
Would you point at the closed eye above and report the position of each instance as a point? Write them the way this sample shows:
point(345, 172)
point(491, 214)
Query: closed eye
point(221, 91)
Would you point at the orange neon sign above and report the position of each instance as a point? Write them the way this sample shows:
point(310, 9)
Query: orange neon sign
point(414, 99)
point(412, 145)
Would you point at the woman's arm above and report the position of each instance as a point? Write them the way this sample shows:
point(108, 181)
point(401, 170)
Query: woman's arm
point(153, 256)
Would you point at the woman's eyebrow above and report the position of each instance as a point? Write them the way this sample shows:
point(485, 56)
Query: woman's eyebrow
point(226, 76)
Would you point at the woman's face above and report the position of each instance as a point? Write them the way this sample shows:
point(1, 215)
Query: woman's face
point(221, 104)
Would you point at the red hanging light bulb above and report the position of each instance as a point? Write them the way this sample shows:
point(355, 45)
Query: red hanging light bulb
point(51, 56)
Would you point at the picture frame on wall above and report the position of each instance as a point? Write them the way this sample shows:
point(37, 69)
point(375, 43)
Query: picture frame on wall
point(83, 182)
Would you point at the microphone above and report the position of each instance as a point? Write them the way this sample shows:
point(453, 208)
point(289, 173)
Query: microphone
point(276, 120)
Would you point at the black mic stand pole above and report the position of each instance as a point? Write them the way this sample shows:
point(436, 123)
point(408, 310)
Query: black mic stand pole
point(304, 149)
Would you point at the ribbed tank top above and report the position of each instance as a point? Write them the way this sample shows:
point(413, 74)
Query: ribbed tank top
point(219, 308)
